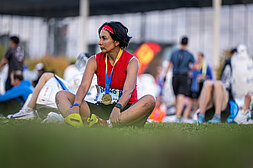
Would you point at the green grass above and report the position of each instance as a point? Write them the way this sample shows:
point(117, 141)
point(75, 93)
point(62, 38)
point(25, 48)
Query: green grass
point(31, 144)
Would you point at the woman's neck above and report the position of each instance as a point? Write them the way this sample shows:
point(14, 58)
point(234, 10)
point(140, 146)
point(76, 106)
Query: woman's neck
point(113, 53)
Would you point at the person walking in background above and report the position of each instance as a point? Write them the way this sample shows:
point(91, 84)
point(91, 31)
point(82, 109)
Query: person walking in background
point(182, 62)
point(14, 57)
point(199, 76)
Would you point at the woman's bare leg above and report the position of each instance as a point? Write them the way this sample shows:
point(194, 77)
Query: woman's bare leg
point(139, 111)
point(179, 105)
point(206, 97)
point(44, 78)
point(247, 100)
point(187, 112)
point(220, 98)
point(65, 99)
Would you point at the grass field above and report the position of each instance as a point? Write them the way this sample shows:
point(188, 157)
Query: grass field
point(31, 144)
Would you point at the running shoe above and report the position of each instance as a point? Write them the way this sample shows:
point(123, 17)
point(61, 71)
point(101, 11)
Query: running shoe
point(201, 118)
point(74, 120)
point(187, 120)
point(178, 120)
point(96, 121)
point(215, 119)
point(27, 113)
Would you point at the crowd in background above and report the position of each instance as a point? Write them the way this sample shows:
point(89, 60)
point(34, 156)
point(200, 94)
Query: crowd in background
point(187, 78)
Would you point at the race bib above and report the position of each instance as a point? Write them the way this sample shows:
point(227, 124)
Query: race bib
point(115, 94)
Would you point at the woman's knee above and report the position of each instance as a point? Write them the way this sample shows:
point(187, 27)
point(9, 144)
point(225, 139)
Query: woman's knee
point(150, 102)
point(208, 84)
point(61, 94)
point(218, 84)
point(47, 75)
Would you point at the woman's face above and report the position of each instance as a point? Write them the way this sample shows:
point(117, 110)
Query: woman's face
point(200, 58)
point(106, 43)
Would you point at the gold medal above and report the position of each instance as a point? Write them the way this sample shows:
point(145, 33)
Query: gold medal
point(107, 99)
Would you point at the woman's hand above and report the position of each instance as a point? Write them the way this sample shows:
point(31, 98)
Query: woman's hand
point(201, 77)
point(115, 116)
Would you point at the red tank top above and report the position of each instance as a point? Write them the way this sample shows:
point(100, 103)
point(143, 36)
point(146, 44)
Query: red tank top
point(119, 72)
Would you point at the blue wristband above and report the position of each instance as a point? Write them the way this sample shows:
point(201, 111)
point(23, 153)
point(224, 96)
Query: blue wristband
point(74, 105)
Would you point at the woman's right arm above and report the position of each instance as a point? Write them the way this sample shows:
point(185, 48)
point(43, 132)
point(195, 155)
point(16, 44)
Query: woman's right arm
point(90, 69)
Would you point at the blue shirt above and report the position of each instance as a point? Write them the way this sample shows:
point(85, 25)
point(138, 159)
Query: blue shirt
point(22, 90)
point(196, 73)
point(181, 59)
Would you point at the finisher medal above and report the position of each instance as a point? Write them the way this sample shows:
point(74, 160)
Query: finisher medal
point(107, 99)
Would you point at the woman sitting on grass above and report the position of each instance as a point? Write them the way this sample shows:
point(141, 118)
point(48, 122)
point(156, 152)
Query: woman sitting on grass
point(116, 71)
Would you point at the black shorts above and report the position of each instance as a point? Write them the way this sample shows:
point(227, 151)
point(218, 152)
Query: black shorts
point(194, 95)
point(224, 114)
point(103, 111)
point(181, 84)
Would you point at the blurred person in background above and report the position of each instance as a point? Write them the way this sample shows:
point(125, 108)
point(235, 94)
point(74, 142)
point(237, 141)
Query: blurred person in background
point(182, 62)
point(198, 76)
point(236, 86)
point(226, 73)
point(49, 84)
point(14, 57)
point(40, 69)
point(76, 67)
point(216, 107)
point(13, 99)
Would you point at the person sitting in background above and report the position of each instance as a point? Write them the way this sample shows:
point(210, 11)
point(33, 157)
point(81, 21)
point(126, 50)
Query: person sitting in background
point(226, 73)
point(14, 98)
point(76, 67)
point(199, 76)
point(40, 70)
point(29, 110)
point(215, 105)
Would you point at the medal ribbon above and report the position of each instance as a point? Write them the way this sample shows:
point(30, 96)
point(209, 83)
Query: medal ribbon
point(108, 79)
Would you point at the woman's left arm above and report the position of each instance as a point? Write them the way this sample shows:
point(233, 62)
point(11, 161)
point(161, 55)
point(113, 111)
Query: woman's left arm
point(129, 85)
point(131, 79)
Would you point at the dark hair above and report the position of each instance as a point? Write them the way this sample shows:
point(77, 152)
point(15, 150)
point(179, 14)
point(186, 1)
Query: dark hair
point(119, 33)
point(201, 54)
point(14, 39)
point(18, 76)
point(233, 50)
point(184, 40)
